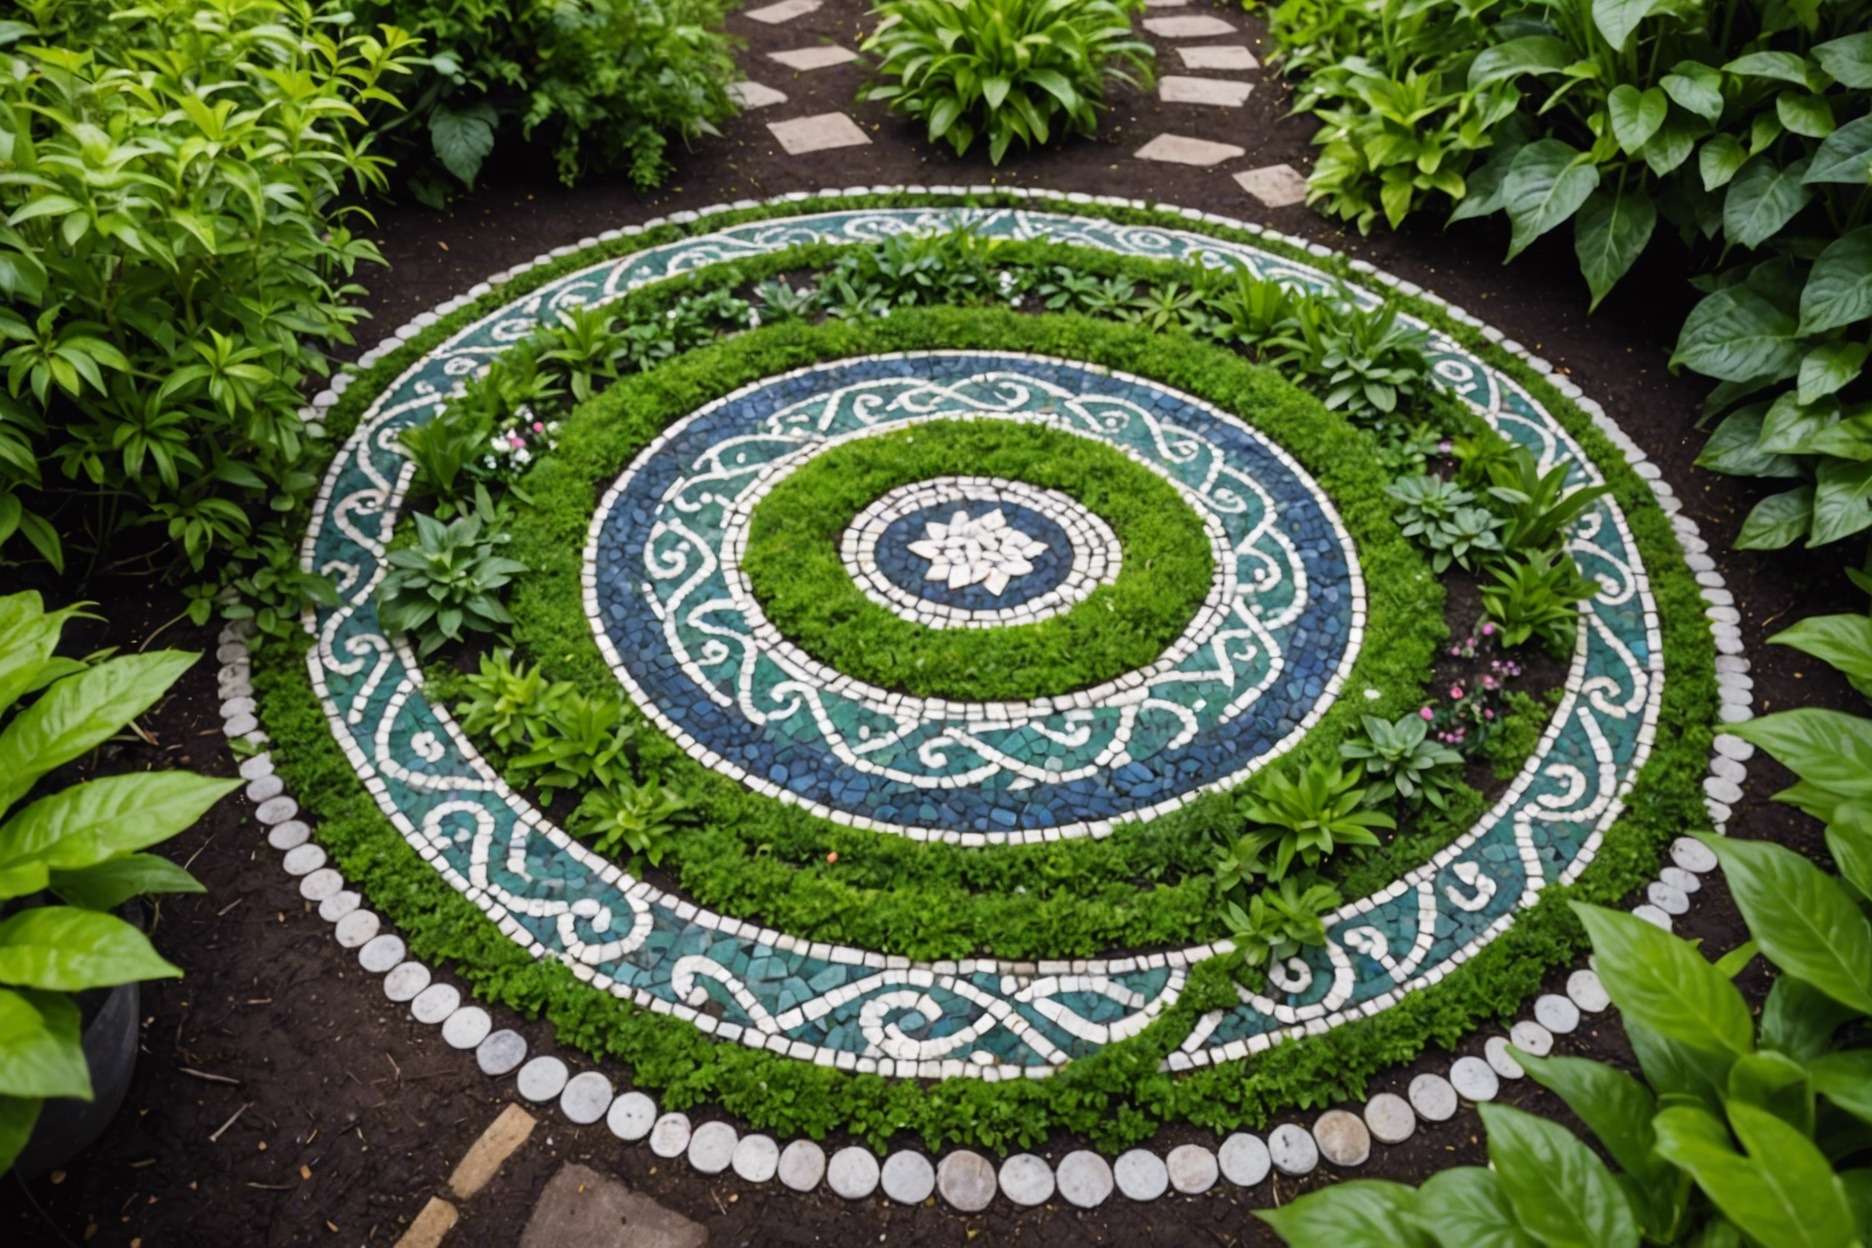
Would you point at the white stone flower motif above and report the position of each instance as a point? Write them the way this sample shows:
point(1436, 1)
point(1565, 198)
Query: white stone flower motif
point(986, 551)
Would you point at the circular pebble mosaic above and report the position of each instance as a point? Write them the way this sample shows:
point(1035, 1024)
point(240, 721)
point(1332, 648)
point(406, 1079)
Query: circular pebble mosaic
point(946, 552)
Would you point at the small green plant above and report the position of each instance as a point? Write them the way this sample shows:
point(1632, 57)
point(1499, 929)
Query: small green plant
point(1443, 518)
point(1004, 69)
point(1309, 813)
point(448, 583)
point(511, 703)
point(639, 817)
point(1367, 363)
point(1278, 924)
point(1537, 507)
point(585, 740)
point(1400, 752)
point(444, 450)
point(1534, 596)
point(584, 345)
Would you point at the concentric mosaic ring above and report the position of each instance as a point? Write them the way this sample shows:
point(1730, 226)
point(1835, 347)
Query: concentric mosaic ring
point(862, 1010)
point(979, 552)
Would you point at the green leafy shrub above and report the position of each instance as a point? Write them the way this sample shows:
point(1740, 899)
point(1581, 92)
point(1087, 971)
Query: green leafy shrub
point(447, 583)
point(1400, 752)
point(508, 702)
point(1537, 507)
point(605, 83)
point(175, 263)
point(1309, 813)
point(640, 818)
point(584, 740)
point(83, 844)
point(1533, 597)
point(1006, 69)
point(1444, 518)
point(1278, 924)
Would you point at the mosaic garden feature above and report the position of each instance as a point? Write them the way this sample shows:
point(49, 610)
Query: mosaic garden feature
point(697, 469)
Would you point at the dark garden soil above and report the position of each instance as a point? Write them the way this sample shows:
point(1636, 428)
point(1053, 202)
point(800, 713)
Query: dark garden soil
point(280, 1099)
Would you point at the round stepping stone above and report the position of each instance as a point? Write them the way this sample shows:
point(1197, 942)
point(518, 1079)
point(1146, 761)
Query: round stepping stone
point(712, 1147)
point(1586, 991)
point(357, 929)
point(852, 1172)
point(1192, 1168)
point(277, 809)
point(1500, 1060)
point(467, 1027)
point(1652, 915)
point(1530, 1037)
point(1434, 1097)
point(1389, 1118)
point(289, 835)
point(380, 953)
point(1027, 1180)
point(966, 1181)
point(908, 1178)
point(1474, 1078)
point(1141, 1174)
point(303, 859)
point(670, 1136)
point(1244, 1159)
point(1680, 879)
point(255, 767)
point(263, 787)
point(1556, 1013)
point(435, 1003)
point(501, 1052)
point(326, 882)
point(1292, 1149)
point(1666, 897)
point(1692, 855)
point(1343, 1138)
point(338, 905)
point(756, 1158)
point(542, 1079)
point(631, 1116)
point(586, 1097)
point(1085, 1179)
point(405, 980)
point(802, 1165)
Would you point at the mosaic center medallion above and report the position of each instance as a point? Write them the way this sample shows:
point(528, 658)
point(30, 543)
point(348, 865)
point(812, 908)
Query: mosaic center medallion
point(1259, 661)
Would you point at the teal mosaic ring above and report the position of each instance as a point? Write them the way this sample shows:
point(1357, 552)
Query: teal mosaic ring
point(861, 1010)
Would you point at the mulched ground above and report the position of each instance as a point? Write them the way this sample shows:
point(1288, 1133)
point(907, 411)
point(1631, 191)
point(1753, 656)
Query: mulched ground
point(346, 1115)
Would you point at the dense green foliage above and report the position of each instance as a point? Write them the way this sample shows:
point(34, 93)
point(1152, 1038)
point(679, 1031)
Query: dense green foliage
point(1004, 69)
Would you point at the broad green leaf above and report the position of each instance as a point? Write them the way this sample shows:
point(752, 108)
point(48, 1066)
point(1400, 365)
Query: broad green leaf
point(1763, 198)
point(1617, 19)
point(1719, 159)
point(79, 712)
point(1849, 60)
point(1802, 917)
point(1849, 840)
point(1846, 1080)
point(65, 949)
point(1791, 425)
point(41, 1046)
point(87, 823)
point(1612, 1104)
point(1545, 185)
point(1782, 66)
point(1843, 642)
point(1636, 115)
point(1780, 1191)
point(28, 638)
point(1776, 1083)
point(1845, 157)
point(1735, 448)
point(1561, 1192)
point(1830, 748)
point(1829, 367)
point(1671, 145)
point(1610, 233)
point(109, 884)
point(17, 1116)
point(1698, 88)
point(1839, 288)
point(1359, 1213)
point(1483, 193)
point(1466, 1205)
point(1805, 114)
point(462, 139)
point(1664, 983)
point(1738, 335)
point(1842, 501)
point(1778, 520)
point(1530, 54)
point(23, 880)
point(1800, 1021)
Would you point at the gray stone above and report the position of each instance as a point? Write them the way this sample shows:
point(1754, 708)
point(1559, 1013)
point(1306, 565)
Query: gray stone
point(750, 94)
point(1389, 1118)
point(288, 835)
point(1224, 56)
point(266, 786)
point(405, 980)
point(823, 56)
point(303, 860)
point(1215, 92)
point(1027, 1179)
point(322, 883)
point(1192, 1168)
point(1292, 1149)
point(784, 11)
point(1244, 1159)
point(1141, 1174)
point(467, 1027)
point(1587, 992)
point(1276, 186)
point(1085, 1179)
point(756, 1157)
point(276, 810)
point(802, 1165)
point(966, 1181)
point(1652, 915)
point(1530, 1037)
point(670, 1136)
point(1191, 27)
point(711, 1148)
point(1680, 879)
point(1556, 1013)
point(1474, 1078)
point(239, 726)
point(1343, 1138)
point(585, 1097)
point(1176, 149)
point(581, 1208)
point(1433, 1097)
point(820, 132)
point(907, 1177)
point(631, 1116)
point(257, 766)
point(852, 1172)
point(501, 1052)
point(435, 1003)
point(1500, 1060)
point(381, 952)
point(542, 1079)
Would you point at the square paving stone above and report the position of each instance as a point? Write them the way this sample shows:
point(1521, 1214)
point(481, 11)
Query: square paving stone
point(822, 57)
point(800, 135)
point(785, 11)
point(1220, 92)
point(1177, 149)
point(1277, 186)
point(1223, 56)
point(1189, 26)
point(755, 95)
point(581, 1208)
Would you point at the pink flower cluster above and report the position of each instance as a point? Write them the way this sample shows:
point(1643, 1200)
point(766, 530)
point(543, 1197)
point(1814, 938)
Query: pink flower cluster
point(1473, 705)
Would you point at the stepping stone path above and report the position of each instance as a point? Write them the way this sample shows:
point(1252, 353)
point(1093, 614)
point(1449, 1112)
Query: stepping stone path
point(852, 1173)
point(1223, 56)
point(1292, 1149)
point(822, 57)
point(501, 1052)
point(751, 94)
point(541, 1079)
point(1085, 1179)
point(1191, 27)
point(908, 1178)
point(1343, 1138)
point(817, 133)
point(1474, 1078)
point(1433, 1097)
point(591, 1210)
point(785, 11)
point(1219, 92)
point(670, 1136)
point(1390, 1118)
point(1244, 1159)
point(712, 1147)
point(1193, 1169)
point(586, 1097)
point(802, 1165)
point(756, 1158)
point(631, 1116)
point(1177, 149)
point(1026, 1180)
point(966, 1180)
point(1276, 186)
point(1141, 1175)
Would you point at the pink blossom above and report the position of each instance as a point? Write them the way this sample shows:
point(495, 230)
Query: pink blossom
point(1488, 628)
point(1426, 714)
point(1489, 682)
point(1455, 693)
point(515, 440)
point(1488, 712)
point(539, 426)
